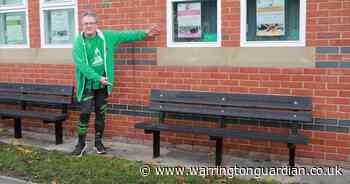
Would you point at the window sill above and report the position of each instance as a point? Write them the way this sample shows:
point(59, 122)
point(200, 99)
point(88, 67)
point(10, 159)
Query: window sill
point(58, 46)
point(13, 46)
point(197, 44)
point(272, 44)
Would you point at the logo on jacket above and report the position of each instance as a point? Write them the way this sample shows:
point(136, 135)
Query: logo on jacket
point(98, 60)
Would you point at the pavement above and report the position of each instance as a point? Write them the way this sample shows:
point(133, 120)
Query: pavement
point(170, 156)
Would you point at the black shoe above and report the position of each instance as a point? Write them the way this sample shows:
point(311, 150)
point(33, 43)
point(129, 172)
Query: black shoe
point(79, 150)
point(99, 148)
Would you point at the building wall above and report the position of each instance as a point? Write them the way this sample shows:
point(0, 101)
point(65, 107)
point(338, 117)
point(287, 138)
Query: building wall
point(328, 30)
point(138, 71)
point(34, 23)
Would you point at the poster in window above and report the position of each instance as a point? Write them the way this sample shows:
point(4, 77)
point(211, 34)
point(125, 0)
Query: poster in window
point(189, 20)
point(14, 32)
point(270, 15)
point(59, 26)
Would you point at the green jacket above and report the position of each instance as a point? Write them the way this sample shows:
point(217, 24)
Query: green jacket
point(110, 40)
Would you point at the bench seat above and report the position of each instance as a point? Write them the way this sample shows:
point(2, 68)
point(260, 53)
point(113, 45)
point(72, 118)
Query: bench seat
point(47, 117)
point(149, 127)
point(33, 98)
point(288, 111)
point(24, 95)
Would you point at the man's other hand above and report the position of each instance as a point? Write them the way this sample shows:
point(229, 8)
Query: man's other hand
point(104, 81)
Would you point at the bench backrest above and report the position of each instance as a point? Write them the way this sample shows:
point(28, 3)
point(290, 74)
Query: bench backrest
point(271, 107)
point(36, 93)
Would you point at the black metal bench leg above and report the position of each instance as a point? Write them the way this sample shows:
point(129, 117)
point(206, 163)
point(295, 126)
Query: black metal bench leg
point(291, 154)
point(156, 144)
point(58, 133)
point(218, 150)
point(18, 128)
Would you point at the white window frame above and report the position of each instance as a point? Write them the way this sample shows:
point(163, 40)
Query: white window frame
point(169, 35)
point(67, 4)
point(297, 43)
point(17, 8)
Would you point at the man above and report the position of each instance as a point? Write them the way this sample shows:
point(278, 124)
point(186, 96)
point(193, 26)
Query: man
point(93, 57)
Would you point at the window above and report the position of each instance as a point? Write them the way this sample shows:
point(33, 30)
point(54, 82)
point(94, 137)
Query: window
point(13, 24)
point(193, 23)
point(58, 23)
point(11, 2)
point(273, 22)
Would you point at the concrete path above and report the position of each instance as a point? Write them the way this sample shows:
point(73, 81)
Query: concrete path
point(8, 180)
point(171, 157)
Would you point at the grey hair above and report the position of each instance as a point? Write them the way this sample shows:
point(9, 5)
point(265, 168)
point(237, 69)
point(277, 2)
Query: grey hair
point(89, 14)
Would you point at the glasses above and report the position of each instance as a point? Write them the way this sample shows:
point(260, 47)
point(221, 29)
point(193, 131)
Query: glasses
point(89, 23)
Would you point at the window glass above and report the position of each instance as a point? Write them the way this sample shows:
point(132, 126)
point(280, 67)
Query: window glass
point(13, 28)
point(194, 21)
point(273, 20)
point(57, 1)
point(4, 3)
point(59, 26)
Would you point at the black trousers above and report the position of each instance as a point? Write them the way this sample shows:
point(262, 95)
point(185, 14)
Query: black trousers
point(93, 101)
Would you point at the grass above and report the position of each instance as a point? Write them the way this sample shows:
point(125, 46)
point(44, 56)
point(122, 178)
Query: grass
point(42, 166)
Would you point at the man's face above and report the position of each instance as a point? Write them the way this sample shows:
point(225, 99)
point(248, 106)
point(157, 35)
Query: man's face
point(89, 25)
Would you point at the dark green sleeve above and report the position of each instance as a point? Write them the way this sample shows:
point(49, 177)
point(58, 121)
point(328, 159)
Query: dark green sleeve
point(79, 60)
point(125, 36)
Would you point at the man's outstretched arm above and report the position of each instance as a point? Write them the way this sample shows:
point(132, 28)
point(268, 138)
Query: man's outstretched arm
point(131, 36)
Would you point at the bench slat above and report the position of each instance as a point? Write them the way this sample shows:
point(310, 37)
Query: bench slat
point(235, 100)
point(232, 112)
point(220, 132)
point(35, 98)
point(36, 88)
point(45, 116)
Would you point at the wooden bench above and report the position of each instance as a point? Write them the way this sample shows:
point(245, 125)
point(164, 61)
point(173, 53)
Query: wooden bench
point(35, 101)
point(287, 110)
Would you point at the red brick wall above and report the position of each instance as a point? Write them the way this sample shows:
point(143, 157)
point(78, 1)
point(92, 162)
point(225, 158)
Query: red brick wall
point(328, 24)
point(34, 23)
point(327, 86)
point(230, 16)
point(125, 15)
